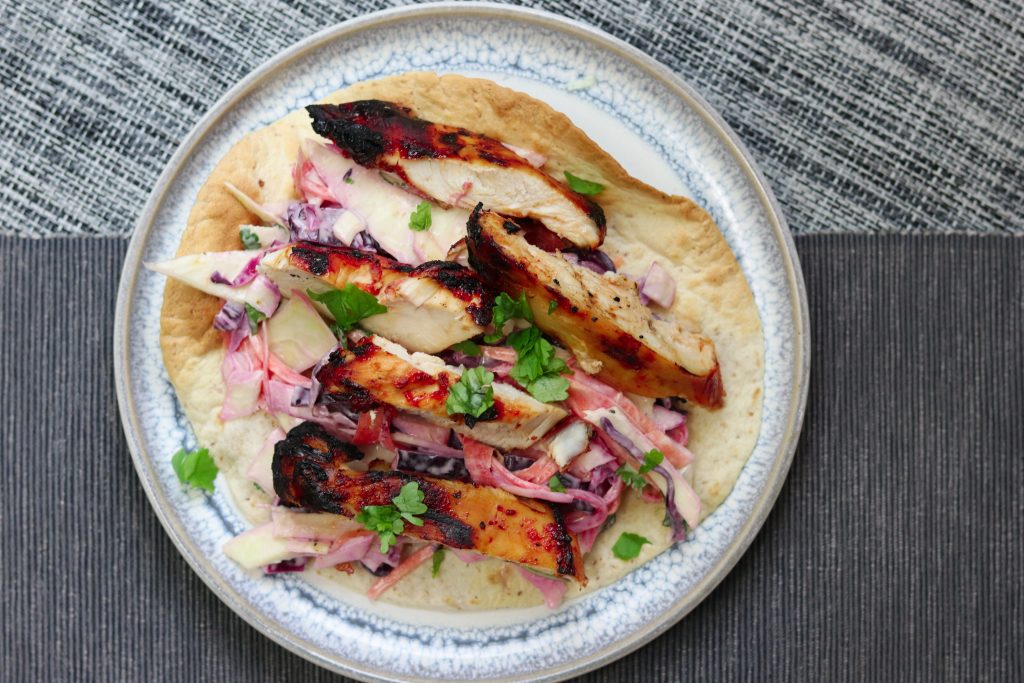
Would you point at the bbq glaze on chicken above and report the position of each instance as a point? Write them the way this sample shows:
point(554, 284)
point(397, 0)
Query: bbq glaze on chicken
point(600, 318)
point(430, 306)
point(457, 167)
point(375, 372)
point(309, 472)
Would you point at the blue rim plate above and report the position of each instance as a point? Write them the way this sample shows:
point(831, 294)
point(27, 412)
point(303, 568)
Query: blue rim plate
point(662, 132)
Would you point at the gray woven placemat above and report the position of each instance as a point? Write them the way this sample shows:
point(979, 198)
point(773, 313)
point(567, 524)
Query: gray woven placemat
point(865, 116)
point(894, 551)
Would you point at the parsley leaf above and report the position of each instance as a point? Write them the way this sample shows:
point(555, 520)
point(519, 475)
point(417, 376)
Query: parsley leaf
point(389, 520)
point(435, 562)
point(409, 502)
point(250, 240)
point(628, 546)
point(420, 219)
point(348, 306)
point(555, 484)
point(552, 305)
point(631, 478)
point(537, 368)
point(256, 316)
point(472, 395)
point(468, 347)
point(506, 308)
point(652, 459)
point(196, 468)
point(348, 177)
point(549, 388)
point(581, 186)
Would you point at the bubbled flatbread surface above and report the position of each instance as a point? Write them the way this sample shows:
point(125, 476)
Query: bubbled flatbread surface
point(643, 225)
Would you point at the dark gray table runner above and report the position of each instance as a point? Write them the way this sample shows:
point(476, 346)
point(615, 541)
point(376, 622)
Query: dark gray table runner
point(895, 550)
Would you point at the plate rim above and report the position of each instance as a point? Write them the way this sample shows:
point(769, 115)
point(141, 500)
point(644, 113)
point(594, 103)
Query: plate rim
point(800, 377)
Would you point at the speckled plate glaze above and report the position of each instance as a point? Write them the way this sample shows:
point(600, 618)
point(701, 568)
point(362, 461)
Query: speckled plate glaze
point(657, 127)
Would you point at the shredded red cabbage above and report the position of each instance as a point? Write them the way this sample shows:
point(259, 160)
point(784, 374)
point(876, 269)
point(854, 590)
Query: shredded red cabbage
point(312, 223)
point(678, 523)
point(514, 462)
point(232, 319)
point(381, 564)
point(296, 564)
point(364, 241)
point(247, 275)
point(591, 259)
point(553, 590)
point(434, 465)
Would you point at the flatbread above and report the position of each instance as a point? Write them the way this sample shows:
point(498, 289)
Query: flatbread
point(643, 224)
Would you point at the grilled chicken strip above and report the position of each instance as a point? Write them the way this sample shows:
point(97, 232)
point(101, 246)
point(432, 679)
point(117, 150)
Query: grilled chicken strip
point(310, 472)
point(375, 372)
point(430, 306)
point(457, 167)
point(600, 318)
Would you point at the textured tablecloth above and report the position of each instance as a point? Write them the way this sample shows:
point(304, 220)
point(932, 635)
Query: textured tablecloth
point(895, 551)
point(865, 117)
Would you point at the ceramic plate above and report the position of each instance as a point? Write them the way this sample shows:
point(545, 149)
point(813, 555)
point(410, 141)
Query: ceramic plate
point(663, 133)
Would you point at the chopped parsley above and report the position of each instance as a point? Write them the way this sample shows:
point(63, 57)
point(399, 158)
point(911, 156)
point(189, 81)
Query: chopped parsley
point(555, 484)
point(435, 562)
point(420, 219)
point(347, 178)
point(506, 308)
point(468, 347)
point(250, 240)
point(537, 368)
point(255, 315)
point(472, 396)
point(389, 520)
point(552, 305)
point(628, 546)
point(652, 459)
point(195, 468)
point(581, 186)
point(348, 306)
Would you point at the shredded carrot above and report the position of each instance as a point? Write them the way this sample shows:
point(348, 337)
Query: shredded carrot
point(403, 569)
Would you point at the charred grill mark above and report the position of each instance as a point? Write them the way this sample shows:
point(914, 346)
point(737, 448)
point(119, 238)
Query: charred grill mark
point(364, 348)
point(592, 209)
point(451, 531)
point(565, 557)
point(319, 260)
point(301, 466)
point(457, 279)
point(340, 123)
point(338, 387)
point(624, 348)
point(372, 129)
point(309, 259)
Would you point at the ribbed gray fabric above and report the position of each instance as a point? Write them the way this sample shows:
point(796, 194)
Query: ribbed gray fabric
point(865, 116)
point(895, 551)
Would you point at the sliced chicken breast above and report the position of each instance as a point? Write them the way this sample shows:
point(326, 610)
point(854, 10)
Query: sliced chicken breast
point(430, 306)
point(600, 318)
point(456, 167)
point(312, 474)
point(376, 372)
